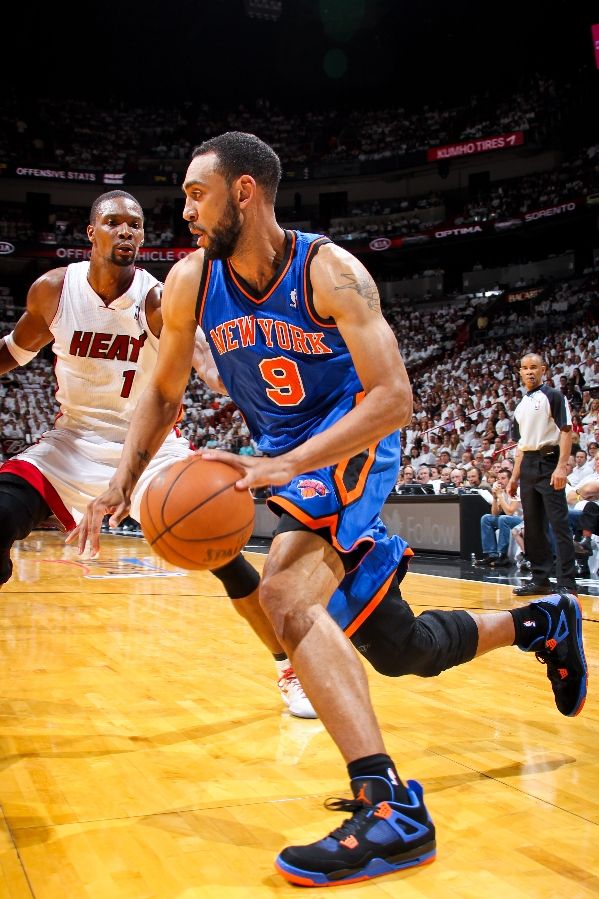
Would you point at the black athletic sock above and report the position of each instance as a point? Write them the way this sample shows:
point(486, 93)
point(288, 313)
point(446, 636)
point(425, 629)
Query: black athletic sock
point(530, 625)
point(279, 656)
point(379, 765)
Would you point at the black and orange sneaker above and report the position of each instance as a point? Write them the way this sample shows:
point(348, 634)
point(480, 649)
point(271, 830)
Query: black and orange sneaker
point(379, 838)
point(562, 650)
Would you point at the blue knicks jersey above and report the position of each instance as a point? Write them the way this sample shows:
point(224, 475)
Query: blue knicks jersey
point(288, 370)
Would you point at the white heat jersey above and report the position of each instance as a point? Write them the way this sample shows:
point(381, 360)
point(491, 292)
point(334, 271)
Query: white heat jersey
point(104, 355)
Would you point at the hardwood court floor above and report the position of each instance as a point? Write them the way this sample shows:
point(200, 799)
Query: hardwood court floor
point(145, 752)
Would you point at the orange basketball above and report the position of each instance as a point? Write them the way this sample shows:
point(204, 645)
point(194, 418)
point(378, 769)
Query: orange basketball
point(192, 515)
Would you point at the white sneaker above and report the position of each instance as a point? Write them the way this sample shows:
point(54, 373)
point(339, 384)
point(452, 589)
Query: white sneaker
point(294, 696)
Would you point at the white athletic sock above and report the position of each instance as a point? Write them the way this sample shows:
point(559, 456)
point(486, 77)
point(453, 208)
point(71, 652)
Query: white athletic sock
point(282, 666)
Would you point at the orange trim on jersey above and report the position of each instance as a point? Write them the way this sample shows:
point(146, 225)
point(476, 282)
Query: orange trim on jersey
point(40, 482)
point(369, 609)
point(327, 521)
point(206, 273)
point(378, 597)
point(276, 282)
point(314, 247)
point(349, 496)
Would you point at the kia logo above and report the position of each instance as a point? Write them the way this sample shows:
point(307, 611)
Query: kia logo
point(380, 243)
point(6, 248)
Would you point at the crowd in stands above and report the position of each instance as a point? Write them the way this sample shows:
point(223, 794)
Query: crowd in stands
point(390, 205)
point(460, 437)
point(577, 177)
point(27, 402)
point(80, 134)
point(67, 225)
point(572, 299)
point(15, 224)
point(464, 393)
point(464, 402)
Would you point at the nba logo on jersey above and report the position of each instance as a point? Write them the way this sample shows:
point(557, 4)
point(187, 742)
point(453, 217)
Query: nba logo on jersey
point(293, 299)
point(310, 487)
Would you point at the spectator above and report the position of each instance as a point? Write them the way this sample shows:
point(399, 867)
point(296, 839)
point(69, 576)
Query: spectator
point(505, 514)
point(424, 475)
point(582, 468)
point(246, 449)
point(585, 517)
point(473, 476)
point(457, 478)
point(503, 424)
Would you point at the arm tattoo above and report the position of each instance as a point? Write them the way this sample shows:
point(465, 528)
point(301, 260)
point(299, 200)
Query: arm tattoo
point(364, 287)
point(143, 459)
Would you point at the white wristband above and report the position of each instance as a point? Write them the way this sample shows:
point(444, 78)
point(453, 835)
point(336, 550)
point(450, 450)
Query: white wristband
point(18, 353)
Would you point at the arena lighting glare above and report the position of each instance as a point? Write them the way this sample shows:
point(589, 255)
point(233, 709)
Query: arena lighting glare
point(267, 10)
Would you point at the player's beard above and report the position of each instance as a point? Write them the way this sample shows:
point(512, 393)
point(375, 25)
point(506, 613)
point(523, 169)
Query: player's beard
point(224, 236)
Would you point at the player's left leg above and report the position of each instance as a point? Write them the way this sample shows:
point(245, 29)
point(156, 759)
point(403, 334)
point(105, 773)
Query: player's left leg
point(396, 642)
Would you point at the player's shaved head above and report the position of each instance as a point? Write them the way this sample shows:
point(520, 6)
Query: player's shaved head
point(106, 198)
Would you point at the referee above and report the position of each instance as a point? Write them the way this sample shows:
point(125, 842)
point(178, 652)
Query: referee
point(543, 428)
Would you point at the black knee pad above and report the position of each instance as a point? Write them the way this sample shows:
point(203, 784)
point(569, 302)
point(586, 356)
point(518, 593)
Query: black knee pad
point(238, 577)
point(395, 642)
point(21, 509)
point(440, 640)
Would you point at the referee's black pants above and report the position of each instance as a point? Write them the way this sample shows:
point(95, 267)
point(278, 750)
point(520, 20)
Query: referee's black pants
point(541, 504)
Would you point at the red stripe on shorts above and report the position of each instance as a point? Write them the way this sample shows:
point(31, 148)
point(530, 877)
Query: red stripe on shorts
point(40, 482)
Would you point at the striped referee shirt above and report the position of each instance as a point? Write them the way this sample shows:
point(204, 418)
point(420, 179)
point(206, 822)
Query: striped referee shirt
point(539, 417)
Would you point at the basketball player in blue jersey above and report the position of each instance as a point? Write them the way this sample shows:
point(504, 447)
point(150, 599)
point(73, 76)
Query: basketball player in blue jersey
point(296, 330)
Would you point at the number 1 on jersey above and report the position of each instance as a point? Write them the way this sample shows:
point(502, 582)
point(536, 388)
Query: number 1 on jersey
point(128, 382)
point(286, 388)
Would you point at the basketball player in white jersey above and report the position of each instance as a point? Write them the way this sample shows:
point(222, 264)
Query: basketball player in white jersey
point(105, 319)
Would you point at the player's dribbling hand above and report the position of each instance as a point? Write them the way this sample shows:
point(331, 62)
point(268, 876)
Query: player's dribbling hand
point(257, 471)
point(112, 502)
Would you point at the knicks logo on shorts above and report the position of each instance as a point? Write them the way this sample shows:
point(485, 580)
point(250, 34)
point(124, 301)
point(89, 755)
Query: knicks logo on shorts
point(310, 487)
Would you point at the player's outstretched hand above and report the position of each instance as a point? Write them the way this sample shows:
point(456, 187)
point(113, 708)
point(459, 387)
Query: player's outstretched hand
point(257, 471)
point(112, 502)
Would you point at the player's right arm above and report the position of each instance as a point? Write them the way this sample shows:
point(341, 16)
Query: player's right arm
point(159, 404)
point(32, 331)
